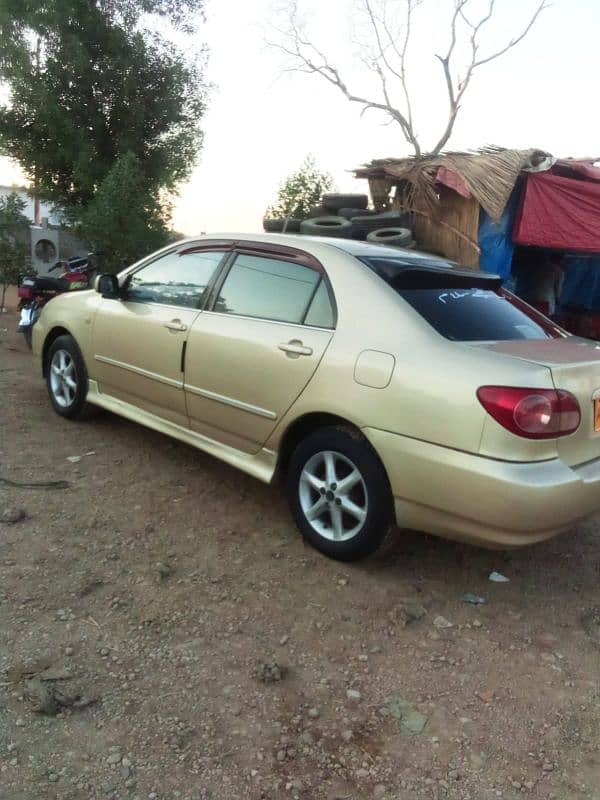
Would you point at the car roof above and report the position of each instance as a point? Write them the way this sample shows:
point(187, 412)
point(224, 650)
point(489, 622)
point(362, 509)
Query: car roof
point(351, 246)
point(413, 261)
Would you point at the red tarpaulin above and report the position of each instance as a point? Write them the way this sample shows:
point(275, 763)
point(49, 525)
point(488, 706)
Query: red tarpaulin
point(560, 213)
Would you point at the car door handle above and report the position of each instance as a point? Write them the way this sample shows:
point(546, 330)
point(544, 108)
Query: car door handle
point(175, 325)
point(295, 348)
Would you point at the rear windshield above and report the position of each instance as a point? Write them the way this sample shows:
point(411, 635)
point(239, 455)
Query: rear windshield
point(463, 306)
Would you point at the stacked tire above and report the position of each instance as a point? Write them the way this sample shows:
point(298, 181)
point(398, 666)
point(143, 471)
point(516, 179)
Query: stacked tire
point(347, 216)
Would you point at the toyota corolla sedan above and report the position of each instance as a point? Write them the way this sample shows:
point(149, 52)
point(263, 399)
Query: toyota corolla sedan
point(383, 385)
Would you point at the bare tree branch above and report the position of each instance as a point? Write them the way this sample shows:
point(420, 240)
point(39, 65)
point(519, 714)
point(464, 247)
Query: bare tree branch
point(386, 56)
point(456, 93)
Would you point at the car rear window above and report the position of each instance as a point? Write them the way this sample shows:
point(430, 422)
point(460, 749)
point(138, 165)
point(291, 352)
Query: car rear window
point(463, 306)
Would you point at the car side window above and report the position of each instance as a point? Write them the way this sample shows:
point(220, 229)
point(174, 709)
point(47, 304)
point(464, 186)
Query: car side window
point(267, 288)
point(174, 279)
point(320, 312)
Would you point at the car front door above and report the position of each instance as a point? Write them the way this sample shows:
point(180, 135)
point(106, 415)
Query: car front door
point(138, 339)
point(252, 352)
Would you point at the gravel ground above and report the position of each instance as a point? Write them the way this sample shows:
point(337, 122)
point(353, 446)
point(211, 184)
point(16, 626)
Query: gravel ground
point(165, 633)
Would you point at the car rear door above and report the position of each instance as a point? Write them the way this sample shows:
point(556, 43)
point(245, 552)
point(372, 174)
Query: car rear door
point(138, 339)
point(252, 352)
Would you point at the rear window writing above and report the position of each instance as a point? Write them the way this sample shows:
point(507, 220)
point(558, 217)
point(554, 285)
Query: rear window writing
point(471, 315)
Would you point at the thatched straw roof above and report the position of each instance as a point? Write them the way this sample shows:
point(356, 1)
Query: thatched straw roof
point(489, 175)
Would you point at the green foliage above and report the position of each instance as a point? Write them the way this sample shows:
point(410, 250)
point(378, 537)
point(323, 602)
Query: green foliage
point(14, 242)
point(89, 85)
point(124, 221)
point(300, 191)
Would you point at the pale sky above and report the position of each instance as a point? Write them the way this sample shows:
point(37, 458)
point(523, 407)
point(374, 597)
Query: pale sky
point(261, 123)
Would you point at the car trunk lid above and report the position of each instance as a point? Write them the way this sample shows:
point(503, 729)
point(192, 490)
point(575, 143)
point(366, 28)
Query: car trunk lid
point(575, 367)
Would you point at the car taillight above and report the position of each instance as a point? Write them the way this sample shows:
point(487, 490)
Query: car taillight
point(532, 413)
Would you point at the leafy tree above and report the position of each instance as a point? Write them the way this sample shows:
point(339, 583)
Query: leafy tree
point(301, 190)
point(14, 250)
point(87, 85)
point(124, 221)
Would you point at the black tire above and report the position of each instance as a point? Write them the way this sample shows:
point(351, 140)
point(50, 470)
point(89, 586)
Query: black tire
point(348, 213)
point(333, 202)
point(393, 237)
point(372, 495)
point(273, 225)
point(73, 404)
point(327, 226)
point(388, 219)
point(27, 336)
point(291, 225)
point(317, 211)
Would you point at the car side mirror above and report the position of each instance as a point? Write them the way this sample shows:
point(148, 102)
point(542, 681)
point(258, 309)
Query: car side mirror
point(108, 286)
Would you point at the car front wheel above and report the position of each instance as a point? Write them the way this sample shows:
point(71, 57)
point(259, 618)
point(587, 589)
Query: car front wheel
point(66, 378)
point(339, 493)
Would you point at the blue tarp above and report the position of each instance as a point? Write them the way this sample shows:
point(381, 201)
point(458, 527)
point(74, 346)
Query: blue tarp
point(495, 240)
point(581, 285)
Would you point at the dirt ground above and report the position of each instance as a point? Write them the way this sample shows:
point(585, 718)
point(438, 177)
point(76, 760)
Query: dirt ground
point(183, 642)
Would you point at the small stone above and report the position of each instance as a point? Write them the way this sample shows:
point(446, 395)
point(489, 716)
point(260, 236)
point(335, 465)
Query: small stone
point(379, 791)
point(343, 582)
point(546, 641)
point(68, 651)
point(11, 515)
point(114, 758)
point(14, 762)
point(477, 623)
point(269, 672)
point(529, 785)
point(307, 738)
point(363, 657)
point(547, 766)
point(347, 735)
point(284, 640)
point(53, 777)
point(163, 571)
point(125, 772)
point(313, 713)
point(473, 599)
point(442, 622)
point(406, 613)
point(487, 695)
point(353, 695)
point(20, 723)
point(281, 755)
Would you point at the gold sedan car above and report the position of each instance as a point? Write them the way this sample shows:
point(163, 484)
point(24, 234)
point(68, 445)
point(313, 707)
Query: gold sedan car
point(385, 385)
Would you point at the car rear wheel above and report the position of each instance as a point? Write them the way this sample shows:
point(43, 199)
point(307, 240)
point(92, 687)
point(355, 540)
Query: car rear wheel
point(66, 378)
point(339, 493)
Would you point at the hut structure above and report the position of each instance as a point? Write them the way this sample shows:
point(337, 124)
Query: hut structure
point(503, 210)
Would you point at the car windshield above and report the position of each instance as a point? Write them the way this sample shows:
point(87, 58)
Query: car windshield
point(462, 306)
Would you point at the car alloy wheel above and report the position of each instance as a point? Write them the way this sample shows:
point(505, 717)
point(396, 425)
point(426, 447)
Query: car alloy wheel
point(333, 496)
point(63, 378)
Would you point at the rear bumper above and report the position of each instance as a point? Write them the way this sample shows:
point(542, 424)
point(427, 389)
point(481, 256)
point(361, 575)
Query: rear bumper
point(480, 500)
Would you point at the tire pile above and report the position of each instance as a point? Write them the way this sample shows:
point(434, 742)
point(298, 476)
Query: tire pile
point(347, 216)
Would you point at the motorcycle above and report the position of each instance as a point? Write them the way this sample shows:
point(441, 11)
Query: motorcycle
point(35, 292)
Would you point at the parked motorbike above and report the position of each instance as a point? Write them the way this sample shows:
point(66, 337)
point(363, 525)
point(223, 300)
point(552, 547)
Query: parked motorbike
point(35, 292)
